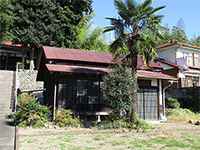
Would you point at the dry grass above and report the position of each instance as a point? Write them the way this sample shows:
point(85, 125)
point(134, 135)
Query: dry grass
point(163, 136)
point(181, 115)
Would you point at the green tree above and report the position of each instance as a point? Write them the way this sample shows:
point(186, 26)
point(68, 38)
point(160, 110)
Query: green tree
point(134, 19)
point(6, 19)
point(195, 41)
point(70, 15)
point(178, 34)
point(35, 22)
point(90, 39)
point(47, 22)
point(117, 89)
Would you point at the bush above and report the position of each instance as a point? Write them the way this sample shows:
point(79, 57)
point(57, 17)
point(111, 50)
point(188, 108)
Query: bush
point(113, 122)
point(172, 103)
point(64, 118)
point(118, 89)
point(30, 112)
point(181, 115)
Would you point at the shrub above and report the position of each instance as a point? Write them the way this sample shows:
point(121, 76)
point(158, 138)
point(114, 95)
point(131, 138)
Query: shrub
point(118, 89)
point(30, 112)
point(112, 124)
point(118, 123)
point(181, 115)
point(172, 103)
point(64, 118)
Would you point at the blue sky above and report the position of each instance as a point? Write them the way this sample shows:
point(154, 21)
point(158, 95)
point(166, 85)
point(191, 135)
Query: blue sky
point(188, 10)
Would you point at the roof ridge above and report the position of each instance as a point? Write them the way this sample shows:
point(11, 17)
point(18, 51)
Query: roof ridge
point(80, 50)
point(180, 44)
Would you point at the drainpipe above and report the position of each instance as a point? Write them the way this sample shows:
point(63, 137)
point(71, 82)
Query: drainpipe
point(164, 90)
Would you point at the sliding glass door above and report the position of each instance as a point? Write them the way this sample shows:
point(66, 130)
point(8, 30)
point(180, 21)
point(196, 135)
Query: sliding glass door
point(81, 95)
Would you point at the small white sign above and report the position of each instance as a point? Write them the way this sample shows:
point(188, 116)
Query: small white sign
point(154, 82)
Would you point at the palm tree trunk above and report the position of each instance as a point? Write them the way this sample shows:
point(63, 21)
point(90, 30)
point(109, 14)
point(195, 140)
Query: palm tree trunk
point(133, 116)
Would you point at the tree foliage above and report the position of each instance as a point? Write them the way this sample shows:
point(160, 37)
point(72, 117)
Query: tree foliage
point(117, 89)
point(195, 41)
point(47, 22)
point(88, 38)
point(135, 19)
point(6, 19)
point(176, 33)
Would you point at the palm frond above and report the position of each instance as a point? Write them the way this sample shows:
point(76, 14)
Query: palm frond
point(108, 29)
point(131, 4)
point(156, 10)
point(146, 3)
point(122, 9)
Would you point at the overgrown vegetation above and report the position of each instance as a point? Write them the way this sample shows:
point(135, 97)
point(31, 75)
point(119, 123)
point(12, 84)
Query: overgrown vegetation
point(181, 115)
point(30, 112)
point(172, 103)
point(123, 123)
point(64, 118)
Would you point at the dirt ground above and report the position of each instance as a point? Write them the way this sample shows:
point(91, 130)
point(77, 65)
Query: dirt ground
point(170, 136)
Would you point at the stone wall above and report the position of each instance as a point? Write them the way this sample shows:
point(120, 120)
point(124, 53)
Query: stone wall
point(26, 80)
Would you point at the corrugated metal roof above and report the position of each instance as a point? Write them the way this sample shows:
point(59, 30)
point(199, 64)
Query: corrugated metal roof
point(76, 69)
point(77, 55)
point(154, 75)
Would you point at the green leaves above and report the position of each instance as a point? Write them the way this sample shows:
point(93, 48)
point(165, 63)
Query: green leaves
point(133, 21)
point(47, 22)
point(90, 39)
point(6, 19)
point(118, 89)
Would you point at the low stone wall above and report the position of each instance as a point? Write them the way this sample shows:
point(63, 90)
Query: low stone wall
point(26, 80)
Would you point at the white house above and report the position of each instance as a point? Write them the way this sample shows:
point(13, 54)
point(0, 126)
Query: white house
point(187, 57)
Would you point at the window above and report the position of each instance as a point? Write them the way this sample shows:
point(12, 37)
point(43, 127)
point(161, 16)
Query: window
point(196, 59)
point(189, 58)
point(190, 81)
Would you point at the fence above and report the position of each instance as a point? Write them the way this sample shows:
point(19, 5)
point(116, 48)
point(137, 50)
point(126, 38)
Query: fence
point(188, 97)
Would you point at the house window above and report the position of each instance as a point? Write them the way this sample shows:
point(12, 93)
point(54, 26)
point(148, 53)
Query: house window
point(190, 81)
point(189, 58)
point(196, 59)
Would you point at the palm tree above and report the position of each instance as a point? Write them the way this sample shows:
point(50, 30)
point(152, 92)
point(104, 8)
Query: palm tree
point(130, 28)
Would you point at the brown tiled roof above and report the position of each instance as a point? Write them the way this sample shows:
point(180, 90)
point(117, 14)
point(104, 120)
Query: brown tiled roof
point(178, 44)
point(77, 55)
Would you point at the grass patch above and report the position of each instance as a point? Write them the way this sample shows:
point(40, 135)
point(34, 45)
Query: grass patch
point(170, 136)
point(181, 115)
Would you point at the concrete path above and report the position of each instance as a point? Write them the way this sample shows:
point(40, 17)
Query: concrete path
point(7, 132)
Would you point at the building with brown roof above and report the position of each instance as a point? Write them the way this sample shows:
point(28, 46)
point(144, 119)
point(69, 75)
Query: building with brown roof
point(73, 79)
point(187, 57)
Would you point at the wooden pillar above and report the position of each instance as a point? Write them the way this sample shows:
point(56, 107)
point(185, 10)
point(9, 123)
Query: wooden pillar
point(160, 99)
point(54, 101)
